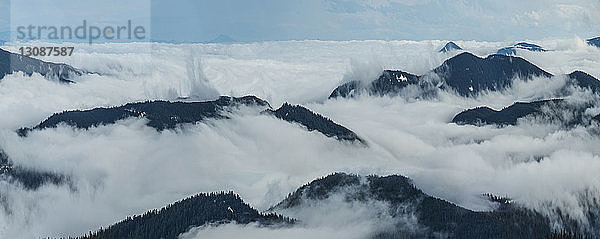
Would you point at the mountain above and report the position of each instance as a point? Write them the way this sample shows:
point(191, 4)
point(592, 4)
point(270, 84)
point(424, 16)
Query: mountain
point(164, 115)
point(468, 74)
point(465, 73)
point(30, 179)
point(512, 50)
point(507, 51)
point(349, 89)
point(529, 47)
point(450, 46)
point(313, 121)
point(435, 217)
point(549, 110)
point(180, 217)
point(584, 80)
point(11, 62)
point(594, 42)
point(388, 83)
point(161, 115)
point(222, 39)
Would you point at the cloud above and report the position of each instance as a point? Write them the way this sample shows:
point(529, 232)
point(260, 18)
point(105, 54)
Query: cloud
point(253, 231)
point(332, 217)
point(128, 168)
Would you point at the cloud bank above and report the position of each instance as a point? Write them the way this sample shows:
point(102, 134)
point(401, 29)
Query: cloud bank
point(128, 168)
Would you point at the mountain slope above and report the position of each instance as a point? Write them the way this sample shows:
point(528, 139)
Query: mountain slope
point(594, 42)
point(468, 74)
point(450, 46)
point(30, 179)
point(388, 83)
point(164, 115)
point(465, 73)
point(512, 50)
point(180, 217)
point(11, 62)
point(435, 216)
point(585, 80)
point(548, 110)
point(313, 121)
point(161, 115)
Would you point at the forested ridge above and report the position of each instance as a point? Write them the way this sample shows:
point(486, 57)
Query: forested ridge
point(161, 115)
point(313, 121)
point(435, 216)
point(180, 217)
point(30, 179)
point(466, 74)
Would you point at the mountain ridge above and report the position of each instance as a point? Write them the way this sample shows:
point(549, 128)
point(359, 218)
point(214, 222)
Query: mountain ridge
point(166, 115)
point(195, 211)
point(548, 110)
point(464, 73)
point(11, 62)
point(435, 216)
point(594, 42)
point(314, 121)
point(450, 46)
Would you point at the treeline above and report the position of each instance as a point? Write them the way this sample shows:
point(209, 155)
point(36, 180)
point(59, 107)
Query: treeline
point(564, 234)
point(546, 110)
point(435, 216)
point(161, 115)
point(313, 121)
point(180, 217)
point(30, 179)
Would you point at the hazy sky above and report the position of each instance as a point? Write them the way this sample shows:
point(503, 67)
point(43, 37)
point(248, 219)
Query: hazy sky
point(263, 20)
point(375, 19)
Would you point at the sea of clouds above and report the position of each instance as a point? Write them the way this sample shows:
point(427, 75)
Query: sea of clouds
point(128, 168)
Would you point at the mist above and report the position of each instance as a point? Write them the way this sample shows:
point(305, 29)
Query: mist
point(128, 168)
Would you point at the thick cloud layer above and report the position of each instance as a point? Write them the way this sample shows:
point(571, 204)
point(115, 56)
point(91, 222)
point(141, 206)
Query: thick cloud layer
point(128, 168)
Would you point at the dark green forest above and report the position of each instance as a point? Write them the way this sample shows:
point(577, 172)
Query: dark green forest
point(180, 217)
point(313, 121)
point(161, 115)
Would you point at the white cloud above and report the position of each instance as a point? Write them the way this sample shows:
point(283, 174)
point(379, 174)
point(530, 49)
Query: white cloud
point(128, 168)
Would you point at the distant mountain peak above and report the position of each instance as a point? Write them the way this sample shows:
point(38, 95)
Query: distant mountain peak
point(222, 39)
point(464, 56)
point(465, 73)
point(594, 42)
point(585, 80)
point(469, 74)
point(450, 46)
point(529, 46)
point(507, 51)
point(512, 50)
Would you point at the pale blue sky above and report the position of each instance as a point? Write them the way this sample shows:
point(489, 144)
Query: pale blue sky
point(263, 20)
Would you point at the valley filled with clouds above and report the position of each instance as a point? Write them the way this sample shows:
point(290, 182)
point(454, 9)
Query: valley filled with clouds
point(127, 168)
